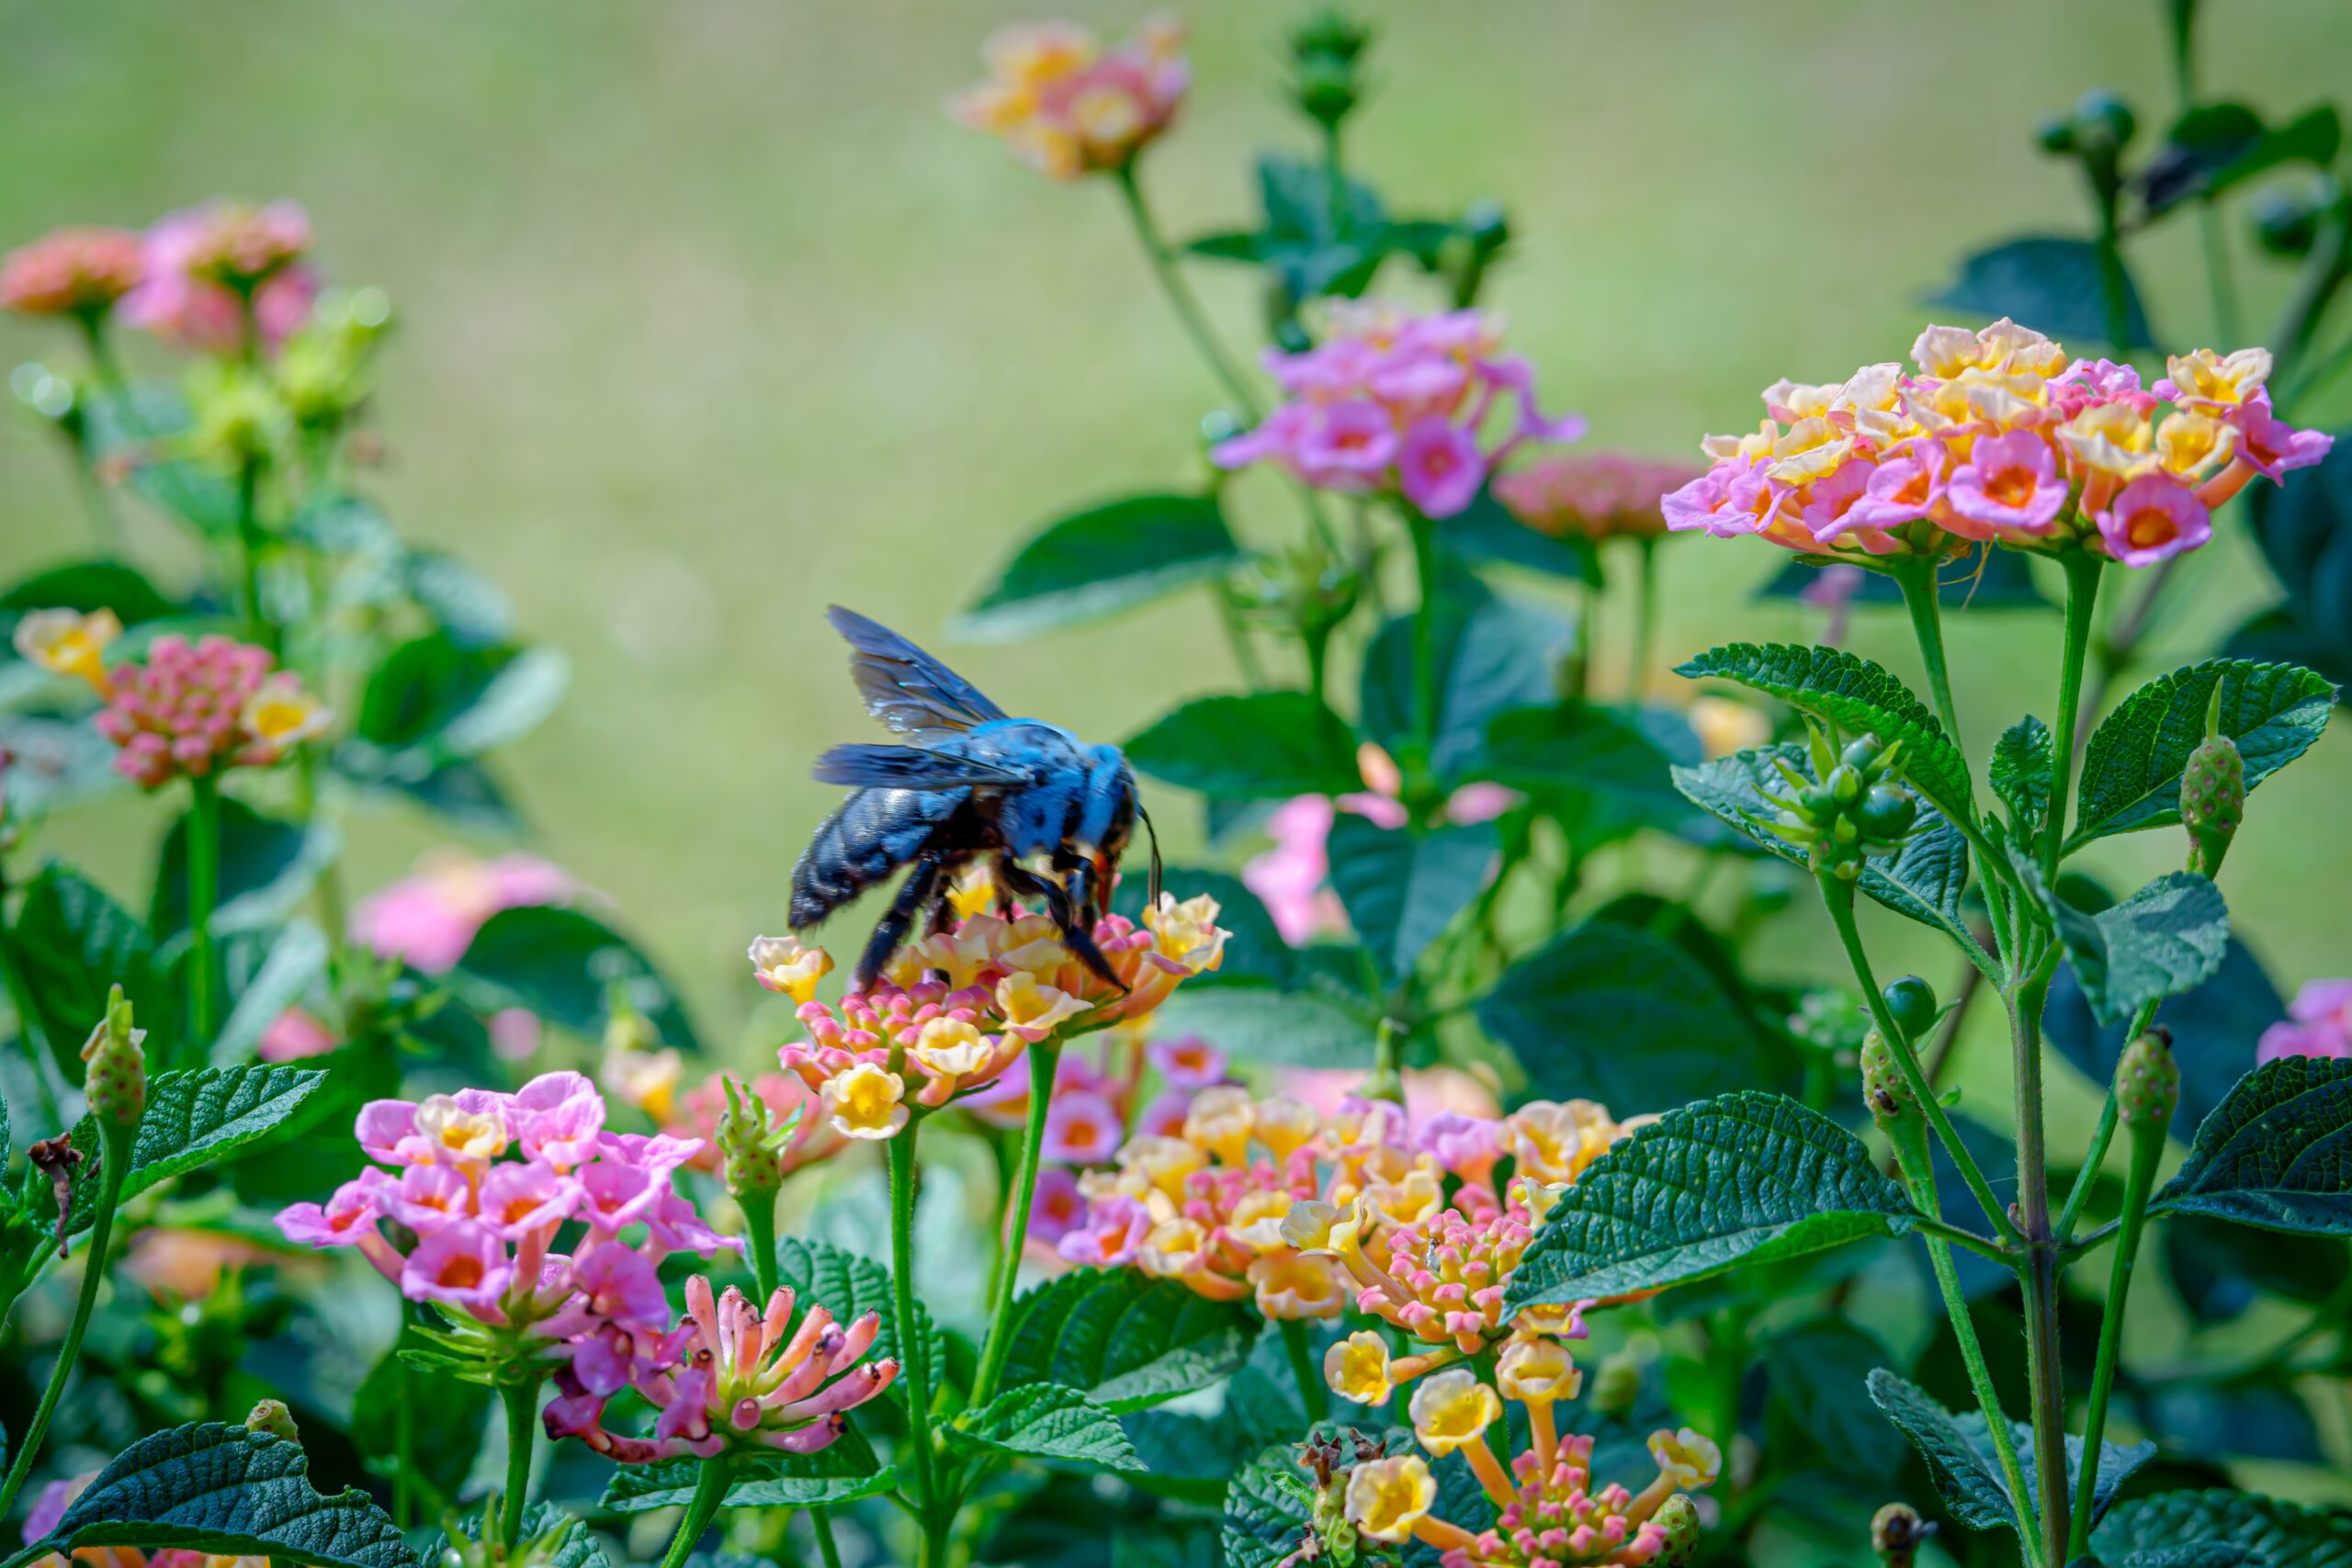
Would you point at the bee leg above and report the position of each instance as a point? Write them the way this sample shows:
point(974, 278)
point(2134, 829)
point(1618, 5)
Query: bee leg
point(1066, 917)
point(941, 915)
point(922, 880)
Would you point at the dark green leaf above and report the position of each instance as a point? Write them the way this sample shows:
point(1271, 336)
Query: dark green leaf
point(1741, 1179)
point(466, 792)
point(226, 1491)
point(2220, 1270)
point(1568, 1009)
point(1484, 532)
point(297, 961)
point(446, 1421)
point(1256, 1024)
point(562, 965)
point(267, 867)
point(1102, 560)
point(2131, 768)
point(570, 1543)
point(2278, 1154)
point(1046, 1422)
point(1817, 1370)
point(436, 699)
point(1124, 1340)
point(1967, 1471)
point(2281, 1535)
point(849, 1286)
point(74, 942)
point(195, 1118)
point(1402, 889)
point(1268, 1511)
point(2304, 527)
point(1857, 697)
point(470, 610)
point(1580, 749)
point(2260, 1417)
point(2051, 284)
point(1316, 238)
point(1261, 746)
point(1168, 1541)
point(1924, 880)
point(2166, 938)
point(87, 585)
point(1492, 653)
point(2020, 772)
point(842, 1472)
point(2212, 147)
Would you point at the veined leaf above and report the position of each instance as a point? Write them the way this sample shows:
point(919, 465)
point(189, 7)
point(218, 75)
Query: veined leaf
point(2020, 772)
point(227, 1492)
point(571, 1544)
point(2216, 1028)
point(2131, 768)
point(1493, 652)
point(1743, 1178)
point(1102, 560)
point(74, 942)
point(1258, 747)
point(1924, 880)
point(1048, 1423)
point(2278, 1153)
point(1403, 888)
point(1858, 697)
point(1124, 1340)
point(193, 1120)
point(1967, 1470)
point(1268, 1510)
point(2167, 938)
point(849, 1286)
point(297, 960)
point(842, 1471)
point(1815, 1369)
point(2276, 1534)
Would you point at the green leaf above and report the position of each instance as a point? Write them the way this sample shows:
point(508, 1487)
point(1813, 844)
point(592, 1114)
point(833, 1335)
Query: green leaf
point(192, 493)
point(1580, 749)
point(1493, 653)
point(849, 1286)
point(563, 964)
point(1268, 1511)
point(2212, 147)
point(2279, 1535)
point(448, 1419)
point(1124, 1340)
point(1484, 532)
point(472, 610)
point(2167, 938)
point(1741, 1179)
point(2278, 1153)
point(1959, 1455)
point(842, 1471)
point(1816, 1371)
point(1924, 880)
point(268, 866)
point(1258, 1023)
point(1260, 747)
point(195, 1118)
point(2131, 768)
point(1102, 560)
point(1857, 697)
point(2051, 283)
point(436, 699)
point(1313, 240)
point(54, 764)
point(1568, 1009)
point(297, 961)
point(1402, 889)
point(226, 1491)
point(86, 585)
point(2020, 772)
point(74, 942)
point(1046, 1422)
point(571, 1544)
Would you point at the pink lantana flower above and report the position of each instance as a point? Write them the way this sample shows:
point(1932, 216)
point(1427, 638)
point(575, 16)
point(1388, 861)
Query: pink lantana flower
point(2009, 486)
point(1083, 1128)
point(199, 262)
point(1113, 1233)
point(1057, 1207)
point(429, 919)
point(2318, 1023)
point(2153, 517)
point(1188, 1061)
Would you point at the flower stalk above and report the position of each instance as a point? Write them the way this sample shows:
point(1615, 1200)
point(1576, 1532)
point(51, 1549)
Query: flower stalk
point(521, 1401)
point(917, 1360)
point(1045, 1060)
point(710, 1490)
point(203, 895)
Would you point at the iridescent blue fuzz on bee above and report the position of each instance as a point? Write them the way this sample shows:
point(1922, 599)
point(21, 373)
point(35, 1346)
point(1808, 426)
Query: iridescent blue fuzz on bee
point(1046, 813)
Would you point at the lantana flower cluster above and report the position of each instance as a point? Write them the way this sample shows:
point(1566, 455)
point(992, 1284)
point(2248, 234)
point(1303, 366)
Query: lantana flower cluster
point(1998, 435)
point(1398, 404)
point(1068, 107)
point(1549, 1512)
point(2318, 1023)
point(953, 1010)
point(1601, 495)
point(77, 272)
point(189, 279)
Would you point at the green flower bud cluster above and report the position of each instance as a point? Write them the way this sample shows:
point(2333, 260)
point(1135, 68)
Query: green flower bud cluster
point(2101, 124)
point(2147, 1081)
point(1857, 808)
point(115, 1068)
point(326, 370)
point(2212, 793)
point(1678, 1517)
point(752, 1144)
point(1327, 54)
point(239, 417)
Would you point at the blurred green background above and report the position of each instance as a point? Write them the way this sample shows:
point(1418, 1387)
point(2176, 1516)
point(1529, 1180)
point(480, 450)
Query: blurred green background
point(708, 317)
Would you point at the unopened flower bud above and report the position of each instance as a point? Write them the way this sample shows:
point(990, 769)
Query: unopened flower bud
point(1896, 1532)
point(115, 1077)
point(1845, 783)
point(750, 1145)
point(2212, 793)
point(272, 1416)
point(1887, 814)
point(1884, 1090)
point(2055, 135)
point(2147, 1081)
point(1678, 1519)
point(2101, 116)
point(1912, 1001)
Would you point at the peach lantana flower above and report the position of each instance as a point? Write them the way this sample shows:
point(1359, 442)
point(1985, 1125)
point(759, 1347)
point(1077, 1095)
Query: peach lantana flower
point(1066, 107)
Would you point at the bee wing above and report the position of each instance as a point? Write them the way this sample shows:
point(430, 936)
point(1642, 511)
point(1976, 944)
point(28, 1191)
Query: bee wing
point(860, 766)
point(905, 687)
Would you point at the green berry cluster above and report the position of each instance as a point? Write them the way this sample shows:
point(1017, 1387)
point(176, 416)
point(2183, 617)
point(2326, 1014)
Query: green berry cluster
point(1858, 807)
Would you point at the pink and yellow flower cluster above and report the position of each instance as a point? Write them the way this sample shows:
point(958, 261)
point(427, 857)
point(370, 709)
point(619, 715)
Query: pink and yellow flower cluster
point(1068, 107)
point(1998, 435)
point(1398, 404)
point(190, 279)
point(956, 1008)
point(71, 271)
point(1548, 1512)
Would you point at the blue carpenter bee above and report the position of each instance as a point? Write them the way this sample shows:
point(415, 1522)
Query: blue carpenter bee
point(1048, 814)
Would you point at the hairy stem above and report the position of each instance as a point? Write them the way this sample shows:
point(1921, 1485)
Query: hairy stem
point(1044, 1058)
point(1915, 575)
point(203, 893)
point(2083, 570)
point(759, 1239)
point(522, 1403)
point(915, 1355)
point(1309, 1377)
point(114, 1155)
point(2138, 1181)
point(710, 1490)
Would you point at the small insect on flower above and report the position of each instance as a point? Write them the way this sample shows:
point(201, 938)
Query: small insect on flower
point(973, 786)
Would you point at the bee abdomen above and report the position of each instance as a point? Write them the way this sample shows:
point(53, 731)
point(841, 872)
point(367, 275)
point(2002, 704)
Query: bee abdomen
point(869, 836)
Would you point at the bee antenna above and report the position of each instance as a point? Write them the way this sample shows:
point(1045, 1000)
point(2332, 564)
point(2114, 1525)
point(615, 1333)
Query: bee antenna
point(1153, 834)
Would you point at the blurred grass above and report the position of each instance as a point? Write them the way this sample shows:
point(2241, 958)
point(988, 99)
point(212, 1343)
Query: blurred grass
point(709, 318)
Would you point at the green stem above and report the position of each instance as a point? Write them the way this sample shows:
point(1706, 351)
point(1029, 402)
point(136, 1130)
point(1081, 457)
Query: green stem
point(334, 909)
point(2039, 1273)
point(710, 1490)
point(2087, 1177)
point(1309, 1377)
point(1839, 897)
point(820, 1521)
point(1236, 636)
point(759, 1238)
point(404, 1446)
point(2112, 280)
point(114, 1155)
point(902, 1287)
point(2138, 1181)
point(1424, 534)
point(1044, 1058)
point(203, 893)
point(2083, 570)
point(522, 1403)
point(1915, 575)
point(1644, 619)
point(258, 629)
point(1180, 294)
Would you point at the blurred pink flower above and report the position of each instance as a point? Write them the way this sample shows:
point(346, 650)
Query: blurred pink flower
point(70, 272)
point(430, 918)
point(293, 1035)
point(198, 259)
point(2318, 1023)
point(1602, 496)
point(1057, 1207)
point(1427, 1091)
